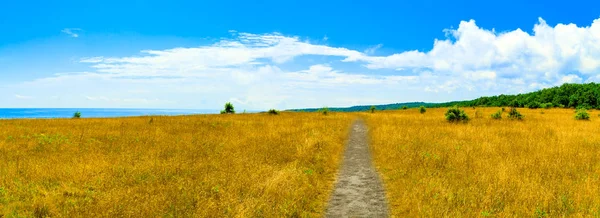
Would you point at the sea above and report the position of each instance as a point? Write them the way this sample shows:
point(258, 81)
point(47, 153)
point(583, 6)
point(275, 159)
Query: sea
point(18, 113)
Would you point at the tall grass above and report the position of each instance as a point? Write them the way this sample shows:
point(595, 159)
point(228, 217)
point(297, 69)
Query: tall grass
point(251, 165)
point(546, 165)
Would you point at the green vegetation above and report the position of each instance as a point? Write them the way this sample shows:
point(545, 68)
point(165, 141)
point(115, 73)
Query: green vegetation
point(566, 95)
point(372, 109)
point(497, 115)
point(546, 105)
point(324, 110)
point(77, 115)
point(404, 107)
point(582, 114)
point(455, 114)
point(513, 114)
point(228, 109)
point(273, 112)
point(534, 105)
point(422, 109)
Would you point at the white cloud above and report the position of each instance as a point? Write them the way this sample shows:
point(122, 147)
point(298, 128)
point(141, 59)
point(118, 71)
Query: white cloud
point(547, 55)
point(262, 71)
point(571, 78)
point(371, 50)
point(23, 97)
point(73, 32)
point(129, 100)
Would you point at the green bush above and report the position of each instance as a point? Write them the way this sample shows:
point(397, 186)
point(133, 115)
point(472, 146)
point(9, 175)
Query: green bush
point(583, 107)
point(582, 114)
point(273, 112)
point(228, 109)
point(533, 105)
point(422, 109)
point(404, 107)
point(77, 115)
point(497, 115)
point(455, 114)
point(546, 105)
point(503, 109)
point(324, 111)
point(513, 114)
point(372, 109)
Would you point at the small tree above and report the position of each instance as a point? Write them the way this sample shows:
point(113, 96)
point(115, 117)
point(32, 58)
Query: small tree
point(372, 109)
point(455, 114)
point(273, 112)
point(228, 109)
point(582, 114)
point(497, 115)
point(513, 114)
point(422, 109)
point(325, 111)
point(404, 107)
point(77, 115)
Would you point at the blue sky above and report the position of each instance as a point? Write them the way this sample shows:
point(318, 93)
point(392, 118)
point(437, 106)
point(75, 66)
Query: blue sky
point(289, 54)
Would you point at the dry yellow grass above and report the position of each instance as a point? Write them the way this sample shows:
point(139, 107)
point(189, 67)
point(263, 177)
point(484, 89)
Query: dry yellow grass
point(547, 164)
point(250, 165)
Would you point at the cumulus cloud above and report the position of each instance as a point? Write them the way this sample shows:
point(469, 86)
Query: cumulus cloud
point(262, 71)
point(546, 56)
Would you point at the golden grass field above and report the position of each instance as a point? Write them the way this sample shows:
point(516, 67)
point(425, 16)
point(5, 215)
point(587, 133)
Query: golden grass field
point(243, 165)
point(546, 165)
point(259, 165)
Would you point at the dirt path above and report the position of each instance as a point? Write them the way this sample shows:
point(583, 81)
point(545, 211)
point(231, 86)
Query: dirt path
point(358, 191)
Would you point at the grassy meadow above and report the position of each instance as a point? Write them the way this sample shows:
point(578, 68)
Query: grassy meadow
point(545, 165)
point(260, 165)
point(243, 165)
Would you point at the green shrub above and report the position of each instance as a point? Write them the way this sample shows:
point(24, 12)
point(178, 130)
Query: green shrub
point(533, 105)
point(497, 115)
point(77, 115)
point(422, 109)
point(404, 107)
point(372, 109)
point(583, 107)
point(273, 112)
point(228, 109)
point(324, 111)
point(455, 114)
point(582, 114)
point(513, 114)
point(546, 105)
point(503, 109)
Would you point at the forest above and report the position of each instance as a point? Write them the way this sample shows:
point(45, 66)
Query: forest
point(568, 95)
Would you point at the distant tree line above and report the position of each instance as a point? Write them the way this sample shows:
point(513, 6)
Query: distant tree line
point(566, 95)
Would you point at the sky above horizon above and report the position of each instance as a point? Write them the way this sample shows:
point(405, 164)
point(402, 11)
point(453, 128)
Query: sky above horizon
point(289, 54)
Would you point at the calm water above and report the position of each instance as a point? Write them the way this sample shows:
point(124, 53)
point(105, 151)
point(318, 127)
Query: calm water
point(6, 113)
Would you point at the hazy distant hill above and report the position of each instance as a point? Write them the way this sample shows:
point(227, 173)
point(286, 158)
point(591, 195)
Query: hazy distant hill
point(395, 106)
